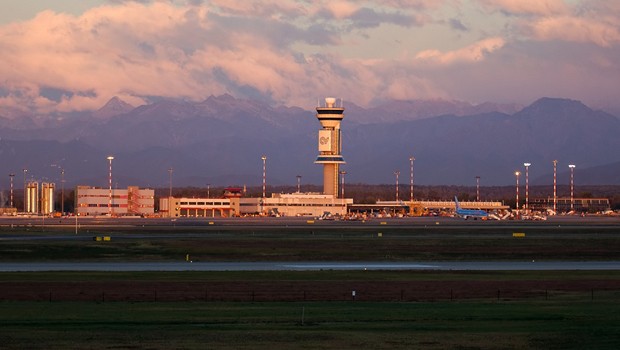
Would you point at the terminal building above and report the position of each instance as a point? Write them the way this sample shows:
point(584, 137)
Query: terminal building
point(132, 201)
point(565, 204)
point(233, 203)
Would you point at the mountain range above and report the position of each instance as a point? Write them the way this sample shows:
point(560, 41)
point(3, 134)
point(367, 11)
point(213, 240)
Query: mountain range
point(220, 141)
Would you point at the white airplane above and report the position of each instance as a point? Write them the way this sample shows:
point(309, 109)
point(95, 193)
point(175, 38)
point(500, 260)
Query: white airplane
point(469, 213)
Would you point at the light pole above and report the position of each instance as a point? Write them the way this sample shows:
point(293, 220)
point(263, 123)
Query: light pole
point(264, 158)
point(298, 183)
point(411, 159)
point(62, 191)
point(170, 170)
point(11, 176)
point(572, 183)
point(477, 188)
point(527, 189)
point(208, 190)
point(110, 158)
point(397, 173)
point(555, 183)
point(342, 174)
point(25, 190)
point(517, 203)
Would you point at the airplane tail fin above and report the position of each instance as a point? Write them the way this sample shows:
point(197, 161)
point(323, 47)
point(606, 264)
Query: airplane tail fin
point(456, 201)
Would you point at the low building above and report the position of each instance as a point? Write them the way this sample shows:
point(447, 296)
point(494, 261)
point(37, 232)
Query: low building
point(195, 207)
point(564, 204)
point(303, 204)
point(233, 204)
point(118, 202)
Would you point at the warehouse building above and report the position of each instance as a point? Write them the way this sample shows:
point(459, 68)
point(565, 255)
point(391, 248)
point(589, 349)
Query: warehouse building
point(93, 201)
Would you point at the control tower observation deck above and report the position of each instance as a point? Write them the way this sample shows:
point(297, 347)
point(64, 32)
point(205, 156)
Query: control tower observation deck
point(330, 144)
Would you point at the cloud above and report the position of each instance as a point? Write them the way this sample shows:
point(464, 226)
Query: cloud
point(457, 25)
point(291, 52)
point(472, 53)
point(547, 20)
point(526, 7)
point(574, 29)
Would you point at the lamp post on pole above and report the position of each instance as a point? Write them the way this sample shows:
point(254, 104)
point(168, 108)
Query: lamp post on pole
point(62, 191)
point(25, 190)
point(477, 188)
point(572, 198)
point(298, 183)
point(170, 170)
point(555, 183)
point(517, 202)
point(527, 189)
point(411, 159)
point(208, 190)
point(397, 173)
point(110, 158)
point(11, 176)
point(264, 158)
point(342, 174)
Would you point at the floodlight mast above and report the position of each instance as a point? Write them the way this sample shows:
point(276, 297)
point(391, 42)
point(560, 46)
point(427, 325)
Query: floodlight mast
point(555, 184)
point(110, 159)
point(411, 159)
point(170, 170)
point(11, 176)
point(397, 173)
point(517, 201)
point(527, 190)
point(572, 183)
point(264, 158)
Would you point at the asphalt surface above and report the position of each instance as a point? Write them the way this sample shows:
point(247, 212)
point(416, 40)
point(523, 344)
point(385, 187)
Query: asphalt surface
point(40, 221)
point(310, 266)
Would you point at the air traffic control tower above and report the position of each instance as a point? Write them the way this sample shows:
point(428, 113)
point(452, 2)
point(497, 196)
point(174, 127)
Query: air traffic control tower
point(330, 144)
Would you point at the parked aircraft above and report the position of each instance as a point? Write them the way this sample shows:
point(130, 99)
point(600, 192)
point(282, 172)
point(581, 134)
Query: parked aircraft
point(469, 213)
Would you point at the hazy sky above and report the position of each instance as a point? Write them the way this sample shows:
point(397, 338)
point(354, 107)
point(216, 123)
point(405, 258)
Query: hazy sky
point(72, 55)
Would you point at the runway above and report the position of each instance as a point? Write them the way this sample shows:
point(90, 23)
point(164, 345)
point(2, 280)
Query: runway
point(310, 266)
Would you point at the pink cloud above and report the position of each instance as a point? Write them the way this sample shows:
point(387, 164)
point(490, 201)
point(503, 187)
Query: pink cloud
point(286, 51)
point(472, 53)
point(575, 29)
point(526, 7)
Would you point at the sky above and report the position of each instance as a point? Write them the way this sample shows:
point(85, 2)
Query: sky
point(69, 55)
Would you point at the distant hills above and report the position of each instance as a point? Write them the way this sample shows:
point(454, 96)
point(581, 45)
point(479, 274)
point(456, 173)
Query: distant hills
point(220, 141)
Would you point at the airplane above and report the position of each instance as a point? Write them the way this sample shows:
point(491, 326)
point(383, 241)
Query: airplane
point(469, 213)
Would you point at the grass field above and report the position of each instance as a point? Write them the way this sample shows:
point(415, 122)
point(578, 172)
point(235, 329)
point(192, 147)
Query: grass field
point(319, 243)
point(571, 324)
